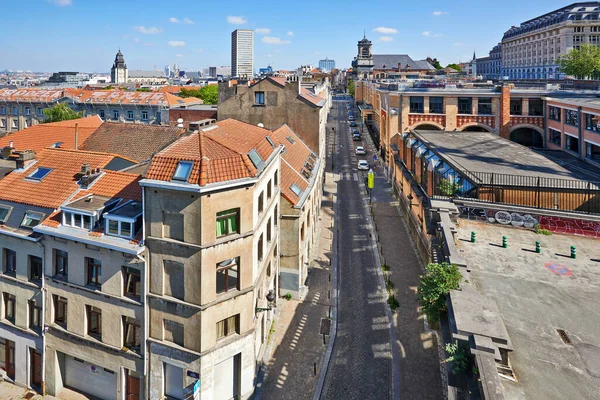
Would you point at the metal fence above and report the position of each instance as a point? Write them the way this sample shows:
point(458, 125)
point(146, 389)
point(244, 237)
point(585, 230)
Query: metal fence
point(529, 191)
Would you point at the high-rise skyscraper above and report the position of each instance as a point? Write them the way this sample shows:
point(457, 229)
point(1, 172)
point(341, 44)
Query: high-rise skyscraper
point(242, 53)
point(326, 64)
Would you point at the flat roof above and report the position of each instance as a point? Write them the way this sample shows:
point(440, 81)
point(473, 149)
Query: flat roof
point(92, 202)
point(488, 152)
point(577, 101)
point(537, 294)
point(129, 210)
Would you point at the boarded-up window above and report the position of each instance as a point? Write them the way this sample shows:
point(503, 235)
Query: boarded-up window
point(173, 225)
point(173, 279)
point(272, 98)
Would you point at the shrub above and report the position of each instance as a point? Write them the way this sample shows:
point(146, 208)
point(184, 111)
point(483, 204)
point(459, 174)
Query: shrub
point(540, 231)
point(385, 268)
point(393, 302)
point(287, 296)
point(389, 285)
point(435, 285)
point(459, 356)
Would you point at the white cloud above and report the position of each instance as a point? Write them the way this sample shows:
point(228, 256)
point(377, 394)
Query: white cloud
point(386, 39)
point(188, 21)
point(269, 55)
point(431, 34)
point(199, 50)
point(290, 33)
point(458, 44)
point(262, 31)
point(179, 55)
point(316, 53)
point(60, 3)
point(385, 31)
point(137, 40)
point(438, 13)
point(174, 20)
point(274, 40)
point(236, 20)
point(150, 30)
point(176, 43)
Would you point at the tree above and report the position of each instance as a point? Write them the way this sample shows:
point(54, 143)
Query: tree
point(351, 87)
point(435, 285)
point(60, 112)
point(434, 62)
point(582, 63)
point(454, 66)
point(143, 89)
point(209, 93)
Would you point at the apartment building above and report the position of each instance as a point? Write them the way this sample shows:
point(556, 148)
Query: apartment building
point(212, 236)
point(242, 53)
point(532, 49)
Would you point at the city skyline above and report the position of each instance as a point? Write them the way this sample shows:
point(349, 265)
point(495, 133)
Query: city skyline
point(157, 37)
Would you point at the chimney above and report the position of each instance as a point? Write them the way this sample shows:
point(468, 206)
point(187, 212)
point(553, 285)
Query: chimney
point(24, 156)
point(86, 169)
point(76, 135)
point(88, 175)
point(11, 144)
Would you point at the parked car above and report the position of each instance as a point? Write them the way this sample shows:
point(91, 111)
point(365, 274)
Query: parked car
point(363, 165)
point(353, 124)
point(360, 151)
point(355, 132)
point(351, 118)
point(356, 137)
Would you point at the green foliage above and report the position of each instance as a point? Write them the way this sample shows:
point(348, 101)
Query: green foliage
point(351, 88)
point(109, 87)
point(389, 285)
point(582, 63)
point(287, 296)
point(142, 89)
point(393, 302)
point(448, 187)
point(459, 356)
point(455, 67)
point(60, 112)
point(540, 231)
point(434, 62)
point(209, 93)
point(435, 285)
point(385, 268)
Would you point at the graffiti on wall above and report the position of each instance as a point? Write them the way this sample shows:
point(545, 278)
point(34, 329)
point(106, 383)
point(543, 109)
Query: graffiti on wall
point(570, 226)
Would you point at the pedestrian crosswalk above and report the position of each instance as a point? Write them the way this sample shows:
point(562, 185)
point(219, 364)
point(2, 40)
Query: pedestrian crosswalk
point(349, 176)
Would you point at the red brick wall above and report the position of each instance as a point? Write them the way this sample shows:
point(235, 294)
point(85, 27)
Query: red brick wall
point(505, 112)
point(190, 116)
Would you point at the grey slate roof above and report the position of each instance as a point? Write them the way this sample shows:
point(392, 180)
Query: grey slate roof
point(391, 61)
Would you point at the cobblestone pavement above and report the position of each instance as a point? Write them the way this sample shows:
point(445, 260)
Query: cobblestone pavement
point(360, 366)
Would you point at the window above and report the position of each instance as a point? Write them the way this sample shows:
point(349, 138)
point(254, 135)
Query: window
point(61, 264)
point(465, 105)
point(35, 268)
point(592, 152)
point(554, 136)
point(536, 107)
point(515, 106)
point(275, 250)
point(572, 117)
point(173, 332)
point(102, 114)
point(436, 105)
point(9, 307)
point(269, 191)
point(228, 326)
point(261, 202)
point(554, 113)
point(115, 114)
point(173, 279)
point(35, 315)
point(269, 238)
point(173, 225)
point(4, 213)
point(27, 111)
point(77, 220)
point(2, 122)
point(132, 283)
point(39, 174)
point(15, 111)
point(572, 143)
point(416, 104)
point(94, 271)
point(259, 98)
point(113, 227)
point(276, 178)
point(60, 310)
point(15, 123)
point(94, 322)
point(129, 114)
point(40, 111)
point(183, 170)
point(119, 228)
point(592, 122)
point(145, 115)
point(269, 270)
point(228, 222)
point(275, 216)
point(131, 334)
point(260, 248)
point(484, 106)
point(3, 110)
point(228, 275)
point(10, 261)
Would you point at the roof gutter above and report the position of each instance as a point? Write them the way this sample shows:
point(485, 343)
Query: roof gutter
point(54, 232)
point(17, 235)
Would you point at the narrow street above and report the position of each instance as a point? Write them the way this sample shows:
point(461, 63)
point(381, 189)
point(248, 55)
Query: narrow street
point(361, 361)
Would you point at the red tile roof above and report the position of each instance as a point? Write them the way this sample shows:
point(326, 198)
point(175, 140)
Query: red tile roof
point(218, 153)
point(278, 79)
point(58, 185)
point(40, 136)
point(311, 97)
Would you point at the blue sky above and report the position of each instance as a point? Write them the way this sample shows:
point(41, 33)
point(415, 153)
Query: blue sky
point(84, 35)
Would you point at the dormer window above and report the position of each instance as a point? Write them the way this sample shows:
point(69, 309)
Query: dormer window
point(31, 219)
point(124, 221)
point(76, 220)
point(4, 213)
point(39, 174)
point(183, 171)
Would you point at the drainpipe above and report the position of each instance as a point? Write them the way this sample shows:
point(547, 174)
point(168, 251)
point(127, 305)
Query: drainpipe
point(582, 149)
point(145, 298)
point(43, 318)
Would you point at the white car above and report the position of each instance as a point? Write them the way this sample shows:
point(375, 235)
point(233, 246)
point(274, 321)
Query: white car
point(360, 151)
point(363, 165)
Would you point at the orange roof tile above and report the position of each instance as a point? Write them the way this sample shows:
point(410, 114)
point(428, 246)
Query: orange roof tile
point(278, 79)
point(173, 100)
point(30, 94)
point(58, 185)
point(219, 153)
point(40, 136)
point(172, 89)
point(311, 97)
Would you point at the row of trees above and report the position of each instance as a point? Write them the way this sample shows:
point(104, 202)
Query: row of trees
point(209, 93)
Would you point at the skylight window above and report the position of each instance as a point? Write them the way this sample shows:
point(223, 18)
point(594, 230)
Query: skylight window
point(39, 173)
point(270, 141)
point(290, 139)
point(4, 213)
point(256, 159)
point(31, 219)
point(183, 170)
point(296, 189)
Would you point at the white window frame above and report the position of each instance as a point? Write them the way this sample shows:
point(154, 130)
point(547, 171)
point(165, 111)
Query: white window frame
point(130, 115)
point(144, 115)
point(31, 214)
point(102, 114)
point(27, 111)
point(68, 219)
point(120, 221)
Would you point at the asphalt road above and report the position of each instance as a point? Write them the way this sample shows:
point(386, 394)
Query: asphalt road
point(361, 362)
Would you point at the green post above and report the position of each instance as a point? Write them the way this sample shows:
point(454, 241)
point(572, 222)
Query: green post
point(473, 237)
point(504, 241)
point(538, 247)
point(573, 252)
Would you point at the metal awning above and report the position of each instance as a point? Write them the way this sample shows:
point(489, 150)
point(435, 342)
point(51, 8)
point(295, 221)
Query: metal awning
point(432, 162)
point(410, 142)
point(422, 149)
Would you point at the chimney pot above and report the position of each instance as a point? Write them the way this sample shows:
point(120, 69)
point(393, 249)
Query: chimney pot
point(11, 144)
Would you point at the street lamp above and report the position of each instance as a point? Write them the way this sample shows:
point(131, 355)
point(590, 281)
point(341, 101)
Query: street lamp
point(270, 299)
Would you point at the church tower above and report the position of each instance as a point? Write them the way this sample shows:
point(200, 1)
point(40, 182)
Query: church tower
point(118, 72)
point(474, 66)
point(363, 62)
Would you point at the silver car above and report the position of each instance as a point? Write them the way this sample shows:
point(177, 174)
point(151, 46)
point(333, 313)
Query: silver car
point(363, 165)
point(360, 151)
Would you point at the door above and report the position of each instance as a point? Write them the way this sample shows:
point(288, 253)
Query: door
point(132, 388)
point(226, 378)
point(173, 381)
point(90, 378)
point(10, 359)
point(36, 368)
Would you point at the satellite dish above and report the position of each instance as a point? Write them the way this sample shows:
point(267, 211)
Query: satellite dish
point(261, 125)
point(180, 120)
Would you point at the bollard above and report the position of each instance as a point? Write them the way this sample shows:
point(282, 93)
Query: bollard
point(473, 237)
point(573, 252)
point(504, 241)
point(538, 247)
